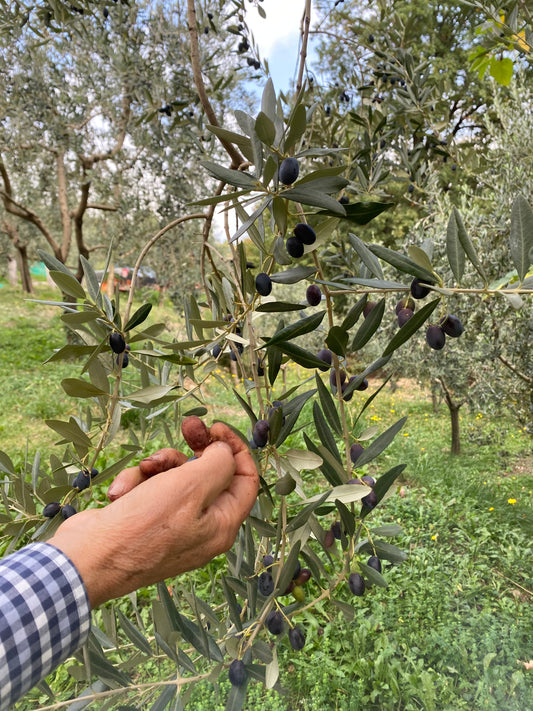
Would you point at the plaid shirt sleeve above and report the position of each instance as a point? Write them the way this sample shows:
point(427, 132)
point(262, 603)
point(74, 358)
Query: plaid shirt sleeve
point(44, 617)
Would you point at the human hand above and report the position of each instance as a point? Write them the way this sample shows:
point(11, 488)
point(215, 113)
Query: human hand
point(163, 522)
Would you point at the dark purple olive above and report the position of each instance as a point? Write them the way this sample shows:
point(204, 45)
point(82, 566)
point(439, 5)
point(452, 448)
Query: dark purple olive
point(294, 247)
point(237, 672)
point(363, 385)
point(435, 337)
point(325, 355)
point(418, 291)
point(406, 303)
point(313, 295)
point(67, 511)
point(333, 377)
point(452, 326)
point(329, 538)
point(268, 560)
point(369, 306)
point(275, 622)
point(117, 342)
point(374, 562)
point(260, 433)
point(344, 386)
point(265, 584)
point(355, 452)
point(356, 584)
point(337, 530)
point(288, 171)
point(51, 509)
point(125, 360)
point(305, 233)
point(368, 480)
point(405, 315)
point(82, 480)
point(263, 284)
point(304, 577)
point(296, 638)
point(370, 501)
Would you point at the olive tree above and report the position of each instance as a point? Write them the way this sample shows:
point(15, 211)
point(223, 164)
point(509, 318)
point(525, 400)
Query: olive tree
point(315, 536)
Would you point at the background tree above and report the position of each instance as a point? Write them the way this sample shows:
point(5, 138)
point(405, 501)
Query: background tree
point(106, 108)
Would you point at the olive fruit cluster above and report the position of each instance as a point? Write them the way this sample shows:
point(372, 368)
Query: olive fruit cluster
point(54, 507)
point(265, 580)
point(449, 325)
point(263, 286)
point(302, 234)
point(235, 348)
point(344, 382)
point(83, 478)
point(261, 430)
point(436, 334)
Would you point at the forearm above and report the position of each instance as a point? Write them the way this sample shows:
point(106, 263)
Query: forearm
point(44, 617)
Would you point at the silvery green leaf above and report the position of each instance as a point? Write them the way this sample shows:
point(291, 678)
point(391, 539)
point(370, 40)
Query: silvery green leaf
point(521, 236)
point(68, 284)
point(227, 175)
point(454, 248)
point(366, 256)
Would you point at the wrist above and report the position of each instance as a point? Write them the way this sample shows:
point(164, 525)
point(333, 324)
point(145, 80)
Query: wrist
point(95, 553)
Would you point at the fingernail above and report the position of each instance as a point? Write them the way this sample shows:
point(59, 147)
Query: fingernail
point(152, 458)
point(115, 490)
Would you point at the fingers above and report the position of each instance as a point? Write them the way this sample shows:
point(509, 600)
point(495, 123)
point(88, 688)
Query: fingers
point(211, 473)
point(162, 460)
point(196, 434)
point(131, 477)
point(221, 432)
point(125, 481)
point(211, 476)
point(231, 508)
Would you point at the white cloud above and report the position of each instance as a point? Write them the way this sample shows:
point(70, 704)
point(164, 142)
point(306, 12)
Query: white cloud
point(282, 23)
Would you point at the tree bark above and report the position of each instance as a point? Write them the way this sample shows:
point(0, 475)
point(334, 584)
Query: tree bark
point(12, 271)
point(453, 408)
point(22, 255)
point(24, 267)
point(456, 436)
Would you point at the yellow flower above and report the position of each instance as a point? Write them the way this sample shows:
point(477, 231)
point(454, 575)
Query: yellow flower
point(491, 508)
point(434, 538)
point(511, 501)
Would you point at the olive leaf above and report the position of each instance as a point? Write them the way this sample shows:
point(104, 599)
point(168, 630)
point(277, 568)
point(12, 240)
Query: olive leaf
point(521, 236)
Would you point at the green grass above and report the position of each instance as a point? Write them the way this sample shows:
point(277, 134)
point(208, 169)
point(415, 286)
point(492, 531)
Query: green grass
point(453, 627)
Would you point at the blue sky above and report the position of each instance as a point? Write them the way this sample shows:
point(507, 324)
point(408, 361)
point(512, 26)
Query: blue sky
point(277, 37)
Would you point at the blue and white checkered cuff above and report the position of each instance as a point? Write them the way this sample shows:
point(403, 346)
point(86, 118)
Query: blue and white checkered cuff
point(44, 617)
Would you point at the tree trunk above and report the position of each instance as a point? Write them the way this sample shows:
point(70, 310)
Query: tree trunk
point(453, 408)
point(456, 438)
point(22, 255)
point(12, 271)
point(24, 267)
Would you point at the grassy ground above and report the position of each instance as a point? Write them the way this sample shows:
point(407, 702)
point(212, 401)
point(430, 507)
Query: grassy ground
point(454, 628)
